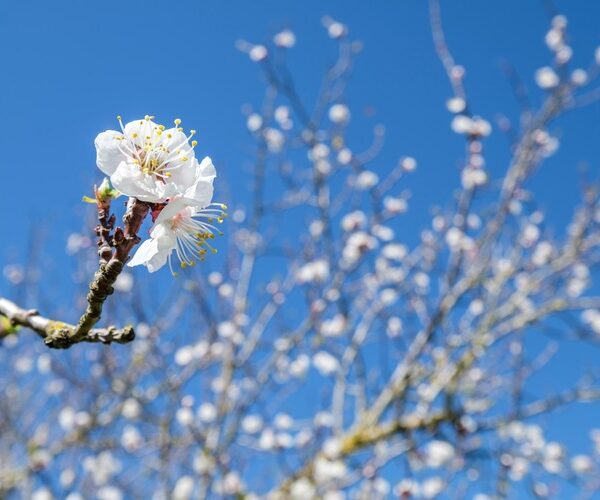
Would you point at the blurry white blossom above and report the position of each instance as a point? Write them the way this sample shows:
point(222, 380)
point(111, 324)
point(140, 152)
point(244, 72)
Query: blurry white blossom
point(124, 282)
point(207, 412)
point(252, 424)
point(333, 327)
point(456, 105)
point(302, 489)
point(326, 470)
point(582, 464)
point(438, 453)
point(334, 28)
point(462, 124)
point(184, 488)
point(408, 163)
point(258, 53)
point(366, 180)
point(432, 487)
point(315, 271)
point(339, 113)
point(254, 122)
point(285, 38)
point(325, 363)
point(546, 78)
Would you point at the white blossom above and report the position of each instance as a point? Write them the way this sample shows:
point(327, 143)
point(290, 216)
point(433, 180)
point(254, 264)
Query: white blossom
point(154, 164)
point(333, 327)
point(184, 355)
point(124, 282)
point(184, 416)
point(354, 220)
point(251, 424)
point(475, 126)
point(542, 253)
point(207, 412)
point(546, 78)
point(407, 488)
point(315, 271)
point(299, 366)
point(564, 54)
point(579, 77)
point(395, 205)
point(394, 327)
point(42, 494)
point(258, 53)
point(408, 163)
point(275, 139)
point(326, 470)
point(302, 489)
point(473, 177)
point(394, 251)
point(366, 180)
point(131, 438)
point(180, 228)
point(254, 122)
point(456, 105)
point(325, 363)
point(67, 477)
point(102, 467)
point(339, 114)
point(334, 28)
point(285, 39)
point(267, 439)
point(131, 408)
point(344, 156)
point(581, 464)
point(438, 453)
point(109, 493)
point(432, 487)
point(184, 488)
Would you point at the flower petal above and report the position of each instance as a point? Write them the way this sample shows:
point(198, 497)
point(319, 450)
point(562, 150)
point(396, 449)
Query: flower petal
point(152, 254)
point(108, 151)
point(200, 193)
point(144, 253)
point(158, 261)
point(170, 211)
point(140, 131)
point(131, 181)
point(207, 169)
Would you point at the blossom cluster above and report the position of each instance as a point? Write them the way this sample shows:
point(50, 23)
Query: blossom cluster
point(158, 165)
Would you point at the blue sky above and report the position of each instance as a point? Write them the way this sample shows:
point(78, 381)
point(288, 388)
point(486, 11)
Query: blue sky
point(68, 68)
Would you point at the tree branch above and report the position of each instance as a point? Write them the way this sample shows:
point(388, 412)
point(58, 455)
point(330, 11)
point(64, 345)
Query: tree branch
point(47, 328)
point(113, 251)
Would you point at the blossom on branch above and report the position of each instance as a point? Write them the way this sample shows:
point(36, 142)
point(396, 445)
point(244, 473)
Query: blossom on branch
point(149, 162)
point(183, 229)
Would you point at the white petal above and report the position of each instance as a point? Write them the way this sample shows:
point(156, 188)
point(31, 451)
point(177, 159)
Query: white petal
point(200, 193)
point(182, 171)
point(152, 253)
point(170, 211)
point(185, 173)
point(138, 130)
point(173, 139)
point(144, 253)
point(158, 261)
point(131, 181)
point(108, 154)
point(207, 169)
